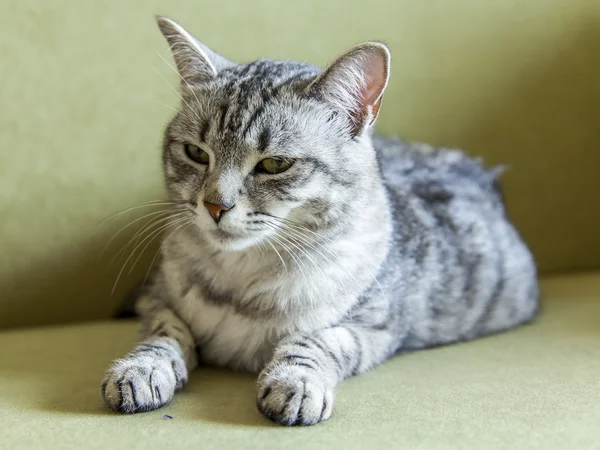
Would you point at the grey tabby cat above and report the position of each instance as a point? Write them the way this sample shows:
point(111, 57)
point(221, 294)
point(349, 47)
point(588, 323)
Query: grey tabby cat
point(306, 250)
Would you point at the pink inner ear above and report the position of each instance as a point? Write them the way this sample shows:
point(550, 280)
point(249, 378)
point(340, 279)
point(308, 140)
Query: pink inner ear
point(355, 83)
point(375, 76)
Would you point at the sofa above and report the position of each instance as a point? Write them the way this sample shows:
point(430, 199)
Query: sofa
point(85, 96)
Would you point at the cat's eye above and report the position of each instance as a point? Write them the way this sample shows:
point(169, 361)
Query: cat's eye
point(274, 165)
point(196, 154)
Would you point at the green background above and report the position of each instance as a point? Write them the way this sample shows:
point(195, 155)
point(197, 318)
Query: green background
point(517, 82)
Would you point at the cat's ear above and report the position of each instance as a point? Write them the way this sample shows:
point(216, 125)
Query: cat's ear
point(355, 83)
point(195, 61)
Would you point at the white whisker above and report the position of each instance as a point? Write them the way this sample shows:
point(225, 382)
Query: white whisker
point(281, 259)
point(315, 264)
point(141, 205)
point(145, 216)
point(150, 236)
point(157, 220)
point(173, 109)
point(293, 224)
point(160, 249)
point(179, 75)
point(177, 216)
point(308, 256)
point(177, 92)
point(300, 264)
point(294, 235)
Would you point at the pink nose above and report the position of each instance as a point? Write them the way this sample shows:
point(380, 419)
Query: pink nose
point(216, 210)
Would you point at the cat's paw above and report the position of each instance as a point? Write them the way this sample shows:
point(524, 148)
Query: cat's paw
point(143, 382)
point(293, 395)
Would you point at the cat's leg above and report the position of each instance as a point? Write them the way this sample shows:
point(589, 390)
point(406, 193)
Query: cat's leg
point(297, 386)
point(154, 370)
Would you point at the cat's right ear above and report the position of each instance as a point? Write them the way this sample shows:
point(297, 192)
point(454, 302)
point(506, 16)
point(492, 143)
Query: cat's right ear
point(196, 63)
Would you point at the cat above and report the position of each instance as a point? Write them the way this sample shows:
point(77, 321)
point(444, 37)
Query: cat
point(305, 249)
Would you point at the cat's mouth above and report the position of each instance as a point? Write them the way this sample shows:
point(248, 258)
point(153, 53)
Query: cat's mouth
point(224, 236)
point(227, 241)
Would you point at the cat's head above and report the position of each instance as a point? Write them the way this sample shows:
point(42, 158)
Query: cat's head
point(260, 147)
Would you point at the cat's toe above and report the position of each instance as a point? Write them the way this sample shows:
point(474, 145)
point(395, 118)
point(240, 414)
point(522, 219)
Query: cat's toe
point(294, 395)
point(139, 384)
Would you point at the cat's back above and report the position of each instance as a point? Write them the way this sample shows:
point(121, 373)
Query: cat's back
point(471, 272)
point(436, 174)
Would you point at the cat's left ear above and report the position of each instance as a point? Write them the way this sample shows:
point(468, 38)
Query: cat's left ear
point(195, 61)
point(355, 83)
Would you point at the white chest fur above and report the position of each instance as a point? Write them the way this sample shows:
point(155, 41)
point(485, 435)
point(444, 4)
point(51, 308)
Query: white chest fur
point(244, 338)
point(226, 338)
point(264, 301)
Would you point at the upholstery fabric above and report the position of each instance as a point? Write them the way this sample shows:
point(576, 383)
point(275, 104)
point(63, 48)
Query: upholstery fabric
point(537, 387)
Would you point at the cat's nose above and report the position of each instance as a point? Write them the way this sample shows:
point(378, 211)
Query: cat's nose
point(216, 211)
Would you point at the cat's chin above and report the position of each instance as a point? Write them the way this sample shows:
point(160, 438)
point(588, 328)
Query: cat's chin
point(224, 241)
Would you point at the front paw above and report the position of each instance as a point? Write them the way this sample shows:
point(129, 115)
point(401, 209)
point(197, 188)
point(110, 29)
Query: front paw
point(142, 382)
point(294, 395)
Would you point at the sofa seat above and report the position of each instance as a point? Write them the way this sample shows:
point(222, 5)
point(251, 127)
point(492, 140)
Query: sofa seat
point(537, 387)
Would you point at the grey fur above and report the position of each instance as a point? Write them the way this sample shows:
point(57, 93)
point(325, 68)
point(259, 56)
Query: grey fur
point(364, 248)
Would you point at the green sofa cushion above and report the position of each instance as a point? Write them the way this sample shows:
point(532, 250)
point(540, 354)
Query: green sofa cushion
point(537, 387)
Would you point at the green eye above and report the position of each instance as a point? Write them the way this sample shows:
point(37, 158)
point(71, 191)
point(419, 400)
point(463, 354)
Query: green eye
point(196, 154)
point(274, 165)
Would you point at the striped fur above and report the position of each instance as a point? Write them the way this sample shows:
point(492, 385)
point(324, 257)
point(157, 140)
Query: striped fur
point(364, 248)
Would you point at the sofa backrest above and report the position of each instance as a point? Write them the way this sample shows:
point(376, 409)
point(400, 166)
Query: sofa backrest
point(83, 111)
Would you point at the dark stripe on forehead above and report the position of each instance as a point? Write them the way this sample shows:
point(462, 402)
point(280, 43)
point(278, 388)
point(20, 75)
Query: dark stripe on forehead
point(240, 102)
point(224, 108)
point(205, 128)
point(273, 89)
point(264, 139)
point(299, 79)
point(257, 112)
point(243, 98)
point(247, 89)
point(276, 88)
point(267, 94)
